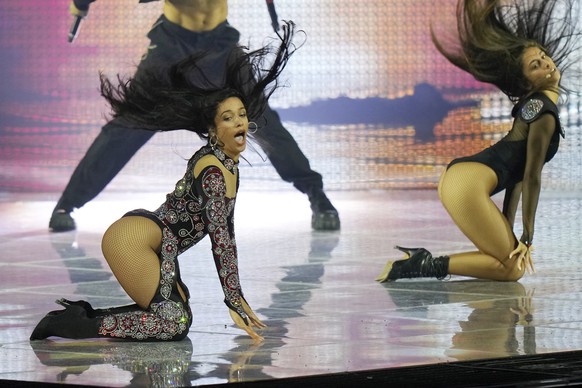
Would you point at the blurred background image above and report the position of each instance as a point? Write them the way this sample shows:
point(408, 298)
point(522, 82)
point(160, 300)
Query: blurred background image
point(368, 98)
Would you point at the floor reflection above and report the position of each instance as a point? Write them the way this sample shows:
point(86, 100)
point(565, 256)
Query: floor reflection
point(171, 364)
point(295, 290)
point(91, 275)
point(157, 364)
point(493, 317)
point(314, 290)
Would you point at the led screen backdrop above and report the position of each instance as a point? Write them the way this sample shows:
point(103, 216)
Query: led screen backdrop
point(368, 98)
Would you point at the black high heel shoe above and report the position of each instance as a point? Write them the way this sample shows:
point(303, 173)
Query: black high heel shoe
point(91, 312)
point(411, 251)
point(418, 263)
point(392, 270)
point(72, 322)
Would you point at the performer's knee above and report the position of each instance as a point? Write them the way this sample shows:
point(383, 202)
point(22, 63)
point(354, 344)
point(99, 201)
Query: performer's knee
point(511, 272)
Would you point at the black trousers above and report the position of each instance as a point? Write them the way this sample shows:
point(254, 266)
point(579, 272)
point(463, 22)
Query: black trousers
point(116, 144)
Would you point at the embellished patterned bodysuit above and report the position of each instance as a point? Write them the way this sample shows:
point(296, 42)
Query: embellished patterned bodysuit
point(197, 207)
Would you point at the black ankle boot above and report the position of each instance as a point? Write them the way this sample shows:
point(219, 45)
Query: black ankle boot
point(72, 322)
point(324, 216)
point(418, 264)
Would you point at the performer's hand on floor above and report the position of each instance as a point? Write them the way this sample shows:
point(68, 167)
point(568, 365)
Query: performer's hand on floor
point(523, 256)
point(254, 321)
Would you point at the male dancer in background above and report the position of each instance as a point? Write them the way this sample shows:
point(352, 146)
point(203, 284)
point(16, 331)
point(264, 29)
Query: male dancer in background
point(187, 27)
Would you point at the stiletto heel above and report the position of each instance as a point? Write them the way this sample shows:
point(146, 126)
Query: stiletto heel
point(419, 263)
point(384, 275)
point(91, 313)
point(409, 251)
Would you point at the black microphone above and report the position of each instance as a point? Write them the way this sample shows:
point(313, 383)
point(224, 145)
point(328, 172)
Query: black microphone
point(273, 14)
point(74, 30)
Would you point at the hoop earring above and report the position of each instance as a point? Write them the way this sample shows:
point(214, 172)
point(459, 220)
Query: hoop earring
point(212, 141)
point(255, 129)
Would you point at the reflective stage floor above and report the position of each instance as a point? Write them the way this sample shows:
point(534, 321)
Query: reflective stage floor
point(327, 318)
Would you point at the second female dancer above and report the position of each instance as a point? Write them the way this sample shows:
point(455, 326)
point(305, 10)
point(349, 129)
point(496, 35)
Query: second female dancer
point(520, 47)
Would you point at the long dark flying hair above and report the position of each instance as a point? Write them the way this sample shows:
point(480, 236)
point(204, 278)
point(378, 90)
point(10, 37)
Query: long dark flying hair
point(492, 35)
point(184, 97)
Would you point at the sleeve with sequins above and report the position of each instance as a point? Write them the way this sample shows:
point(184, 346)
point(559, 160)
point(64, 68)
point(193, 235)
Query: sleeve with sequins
point(217, 214)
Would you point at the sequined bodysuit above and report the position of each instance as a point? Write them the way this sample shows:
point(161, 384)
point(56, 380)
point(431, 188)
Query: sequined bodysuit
point(197, 207)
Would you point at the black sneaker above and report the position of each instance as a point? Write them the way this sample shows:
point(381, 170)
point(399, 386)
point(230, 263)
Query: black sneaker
point(325, 216)
point(61, 221)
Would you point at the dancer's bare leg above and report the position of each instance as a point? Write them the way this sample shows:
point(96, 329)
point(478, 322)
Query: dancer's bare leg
point(464, 190)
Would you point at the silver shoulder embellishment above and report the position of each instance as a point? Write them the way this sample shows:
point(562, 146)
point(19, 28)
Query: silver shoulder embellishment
point(531, 109)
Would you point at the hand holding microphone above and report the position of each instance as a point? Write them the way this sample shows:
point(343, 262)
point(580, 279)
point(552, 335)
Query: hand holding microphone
point(79, 9)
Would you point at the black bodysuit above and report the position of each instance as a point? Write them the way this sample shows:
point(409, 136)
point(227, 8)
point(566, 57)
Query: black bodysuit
point(508, 156)
point(196, 208)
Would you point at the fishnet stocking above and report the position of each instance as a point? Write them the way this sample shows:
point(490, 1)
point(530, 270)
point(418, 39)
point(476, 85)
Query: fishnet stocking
point(130, 247)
